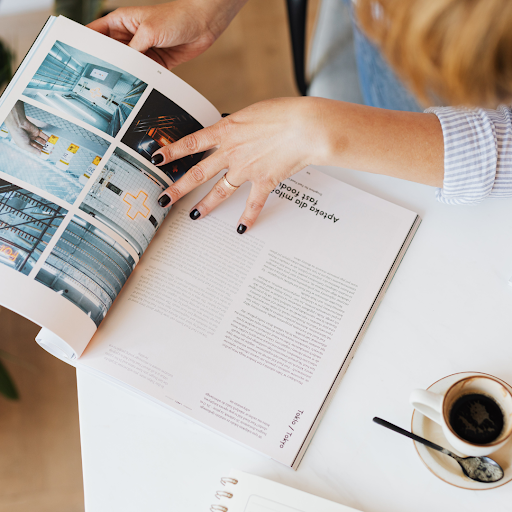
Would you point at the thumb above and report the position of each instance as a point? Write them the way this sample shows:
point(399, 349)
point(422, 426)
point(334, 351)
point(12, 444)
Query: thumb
point(142, 40)
point(100, 25)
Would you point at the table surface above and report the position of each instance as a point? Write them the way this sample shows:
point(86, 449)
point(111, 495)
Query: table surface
point(447, 310)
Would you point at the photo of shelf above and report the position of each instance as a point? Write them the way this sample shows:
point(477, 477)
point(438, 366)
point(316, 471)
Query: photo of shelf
point(87, 267)
point(161, 122)
point(85, 87)
point(27, 224)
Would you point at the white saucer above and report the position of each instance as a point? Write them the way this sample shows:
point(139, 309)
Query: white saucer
point(445, 467)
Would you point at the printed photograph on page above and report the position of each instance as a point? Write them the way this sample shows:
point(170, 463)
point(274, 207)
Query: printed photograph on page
point(124, 198)
point(28, 223)
point(44, 150)
point(87, 267)
point(161, 122)
point(85, 87)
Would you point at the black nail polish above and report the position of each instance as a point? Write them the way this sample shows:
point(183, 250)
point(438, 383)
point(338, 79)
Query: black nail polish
point(241, 229)
point(157, 159)
point(164, 201)
point(224, 115)
point(195, 214)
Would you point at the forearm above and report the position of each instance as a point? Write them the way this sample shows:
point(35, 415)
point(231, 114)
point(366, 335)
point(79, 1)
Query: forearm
point(404, 145)
point(220, 13)
point(16, 117)
point(270, 141)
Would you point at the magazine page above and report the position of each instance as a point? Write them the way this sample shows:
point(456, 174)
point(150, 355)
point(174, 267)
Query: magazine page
point(78, 194)
point(247, 333)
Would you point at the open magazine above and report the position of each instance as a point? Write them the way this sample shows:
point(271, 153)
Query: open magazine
point(248, 335)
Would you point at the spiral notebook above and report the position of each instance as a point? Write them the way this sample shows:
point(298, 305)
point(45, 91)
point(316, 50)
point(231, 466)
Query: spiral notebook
point(243, 492)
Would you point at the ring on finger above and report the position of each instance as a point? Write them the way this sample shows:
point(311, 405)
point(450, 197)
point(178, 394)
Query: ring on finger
point(226, 182)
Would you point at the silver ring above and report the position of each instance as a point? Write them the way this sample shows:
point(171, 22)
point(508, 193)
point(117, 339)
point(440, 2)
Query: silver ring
point(226, 182)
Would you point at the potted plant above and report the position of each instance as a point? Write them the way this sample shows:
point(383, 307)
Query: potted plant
point(82, 11)
point(7, 387)
point(5, 64)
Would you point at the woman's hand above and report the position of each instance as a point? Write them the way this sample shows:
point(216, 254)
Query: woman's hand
point(170, 33)
point(264, 144)
point(26, 135)
point(271, 140)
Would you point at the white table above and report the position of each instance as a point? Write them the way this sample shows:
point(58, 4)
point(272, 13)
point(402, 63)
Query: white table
point(449, 309)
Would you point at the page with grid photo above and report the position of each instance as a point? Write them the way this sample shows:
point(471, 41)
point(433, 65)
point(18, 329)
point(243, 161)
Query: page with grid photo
point(87, 251)
point(78, 208)
point(30, 226)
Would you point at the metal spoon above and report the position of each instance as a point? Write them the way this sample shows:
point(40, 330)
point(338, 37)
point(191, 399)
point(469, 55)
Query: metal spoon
point(481, 469)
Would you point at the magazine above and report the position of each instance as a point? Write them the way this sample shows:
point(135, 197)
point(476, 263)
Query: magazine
point(249, 334)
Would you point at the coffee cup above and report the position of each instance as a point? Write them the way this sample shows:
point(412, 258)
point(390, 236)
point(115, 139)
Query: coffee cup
point(475, 413)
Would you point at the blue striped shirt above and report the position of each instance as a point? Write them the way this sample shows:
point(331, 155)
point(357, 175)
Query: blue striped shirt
point(477, 153)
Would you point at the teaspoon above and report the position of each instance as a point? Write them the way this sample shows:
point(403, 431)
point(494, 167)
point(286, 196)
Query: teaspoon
point(480, 469)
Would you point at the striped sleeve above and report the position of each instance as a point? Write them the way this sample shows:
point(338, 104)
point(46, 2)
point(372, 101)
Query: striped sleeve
point(477, 153)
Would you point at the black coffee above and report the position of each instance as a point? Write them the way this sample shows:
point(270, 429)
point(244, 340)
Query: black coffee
point(476, 418)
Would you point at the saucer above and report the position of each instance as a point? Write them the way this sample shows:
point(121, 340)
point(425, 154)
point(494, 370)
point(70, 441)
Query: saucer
point(445, 467)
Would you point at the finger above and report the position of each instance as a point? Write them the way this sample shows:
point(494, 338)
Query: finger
point(41, 141)
point(36, 145)
point(196, 142)
point(217, 195)
point(100, 25)
point(120, 24)
point(143, 39)
point(195, 176)
point(154, 55)
point(253, 206)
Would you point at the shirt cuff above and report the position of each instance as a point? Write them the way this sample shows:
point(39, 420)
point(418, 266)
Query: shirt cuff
point(470, 154)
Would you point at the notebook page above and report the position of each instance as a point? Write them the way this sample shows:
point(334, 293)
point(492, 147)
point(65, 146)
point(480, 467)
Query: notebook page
point(255, 494)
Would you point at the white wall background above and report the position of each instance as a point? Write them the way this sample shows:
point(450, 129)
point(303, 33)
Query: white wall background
point(8, 7)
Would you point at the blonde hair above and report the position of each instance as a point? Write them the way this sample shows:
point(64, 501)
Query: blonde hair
point(457, 50)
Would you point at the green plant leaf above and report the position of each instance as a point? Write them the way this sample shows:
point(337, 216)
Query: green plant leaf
point(5, 63)
point(17, 360)
point(7, 387)
point(82, 11)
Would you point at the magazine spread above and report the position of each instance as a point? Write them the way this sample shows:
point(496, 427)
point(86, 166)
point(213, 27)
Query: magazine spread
point(248, 335)
point(77, 216)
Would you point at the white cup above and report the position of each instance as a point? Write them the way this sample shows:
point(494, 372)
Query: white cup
point(438, 407)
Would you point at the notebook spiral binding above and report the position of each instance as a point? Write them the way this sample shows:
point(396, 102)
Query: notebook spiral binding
point(223, 494)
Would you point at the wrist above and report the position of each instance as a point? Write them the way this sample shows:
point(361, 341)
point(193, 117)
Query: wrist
point(217, 14)
point(25, 124)
point(321, 136)
point(15, 119)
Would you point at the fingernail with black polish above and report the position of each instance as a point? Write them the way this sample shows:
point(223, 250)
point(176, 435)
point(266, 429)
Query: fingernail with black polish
point(157, 159)
point(164, 200)
point(241, 229)
point(195, 214)
point(224, 115)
